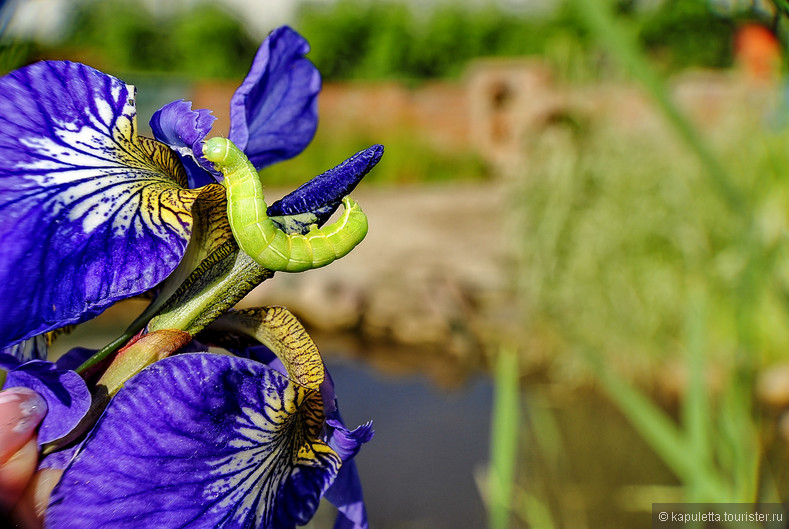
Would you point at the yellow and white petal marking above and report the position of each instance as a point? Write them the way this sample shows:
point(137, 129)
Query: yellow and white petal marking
point(91, 213)
point(200, 440)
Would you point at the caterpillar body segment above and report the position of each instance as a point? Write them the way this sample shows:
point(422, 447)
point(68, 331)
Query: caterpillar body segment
point(260, 238)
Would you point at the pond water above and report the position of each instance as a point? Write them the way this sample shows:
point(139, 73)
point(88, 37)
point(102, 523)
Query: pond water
point(577, 453)
point(418, 471)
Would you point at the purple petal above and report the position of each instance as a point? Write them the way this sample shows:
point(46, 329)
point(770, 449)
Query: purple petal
point(347, 442)
point(90, 213)
point(59, 460)
point(74, 358)
point(274, 113)
point(200, 440)
point(342, 440)
point(65, 393)
point(346, 494)
point(183, 130)
point(321, 196)
point(346, 491)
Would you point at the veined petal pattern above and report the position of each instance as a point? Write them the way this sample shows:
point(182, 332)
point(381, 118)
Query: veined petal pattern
point(200, 440)
point(91, 213)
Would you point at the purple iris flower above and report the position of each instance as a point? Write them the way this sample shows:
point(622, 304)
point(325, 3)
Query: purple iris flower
point(91, 213)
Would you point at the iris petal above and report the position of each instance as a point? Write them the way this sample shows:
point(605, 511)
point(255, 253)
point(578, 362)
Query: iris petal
point(65, 393)
point(346, 491)
point(200, 440)
point(346, 494)
point(184, 129)
point(90, 212)
point(274, 113)
point(316, 201)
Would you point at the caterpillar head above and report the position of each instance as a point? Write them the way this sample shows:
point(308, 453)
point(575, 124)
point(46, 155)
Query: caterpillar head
point(216, 150)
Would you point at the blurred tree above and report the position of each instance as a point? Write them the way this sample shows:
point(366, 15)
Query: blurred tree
point(204, 41)
point(363, 39)
point(124, 35)
point(355, 39)
point(339, 35)
point(686, 33)
point(209, 43)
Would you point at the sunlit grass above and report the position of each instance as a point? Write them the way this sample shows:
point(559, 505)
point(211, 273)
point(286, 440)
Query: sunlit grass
point(618, 224)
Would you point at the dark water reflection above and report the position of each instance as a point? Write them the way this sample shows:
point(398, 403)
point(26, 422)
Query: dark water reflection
point(418, 471)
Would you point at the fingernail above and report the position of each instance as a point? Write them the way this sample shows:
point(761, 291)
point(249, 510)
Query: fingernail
point(21, 411)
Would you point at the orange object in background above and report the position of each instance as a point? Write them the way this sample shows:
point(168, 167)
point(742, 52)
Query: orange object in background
point(757, 52)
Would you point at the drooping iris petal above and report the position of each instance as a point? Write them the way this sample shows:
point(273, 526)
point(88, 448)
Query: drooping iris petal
point(184, 129)
point(200, 440)
point(344, 441)
point(65, 393)
point(346, 494)
point(274, 113)
point(346, 491)
point(315, 201)
point(90, 213)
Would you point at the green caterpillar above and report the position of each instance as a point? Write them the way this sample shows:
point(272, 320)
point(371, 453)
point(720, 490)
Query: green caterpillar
point(259, 237)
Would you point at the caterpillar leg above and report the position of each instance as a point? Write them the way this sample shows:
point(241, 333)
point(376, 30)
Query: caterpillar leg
point(258, 236)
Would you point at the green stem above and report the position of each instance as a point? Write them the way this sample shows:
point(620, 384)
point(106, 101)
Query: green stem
point(221, 281)
point(504, 440)
point(104, 353)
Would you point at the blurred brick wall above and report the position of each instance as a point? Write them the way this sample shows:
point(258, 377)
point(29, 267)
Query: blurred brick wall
point(435, 112)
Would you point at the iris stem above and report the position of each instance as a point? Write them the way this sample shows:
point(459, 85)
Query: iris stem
point(104, 353)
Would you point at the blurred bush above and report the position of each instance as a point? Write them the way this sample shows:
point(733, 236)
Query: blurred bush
point(686, 33)
point(362, 39)
point(116, 36)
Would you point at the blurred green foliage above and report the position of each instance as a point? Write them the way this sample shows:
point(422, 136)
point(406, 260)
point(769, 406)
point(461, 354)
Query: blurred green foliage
point(360, 39)
point(622, 223)
point(118, 36)
point(686, 33)
point(371, 40)
point(659, 253)
point(363, 39)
